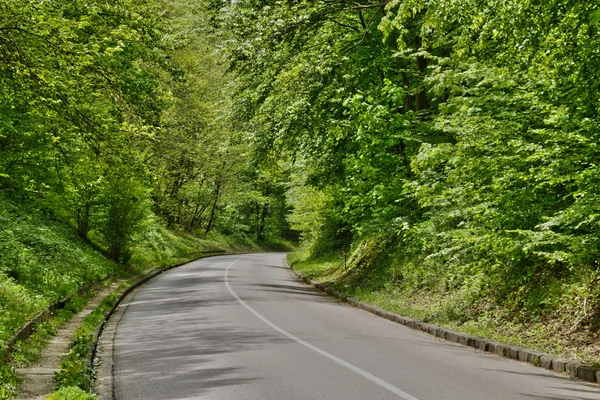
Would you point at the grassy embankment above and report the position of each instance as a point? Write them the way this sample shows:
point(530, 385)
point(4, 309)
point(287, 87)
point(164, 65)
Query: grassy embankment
point(42, 261)
point(566, 328)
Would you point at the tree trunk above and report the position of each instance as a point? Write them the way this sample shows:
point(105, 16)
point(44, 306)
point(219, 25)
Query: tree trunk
point(83, 222)
point(213, 209)
point(261, 224)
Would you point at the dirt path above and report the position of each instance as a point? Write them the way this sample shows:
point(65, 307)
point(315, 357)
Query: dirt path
point(37, 378)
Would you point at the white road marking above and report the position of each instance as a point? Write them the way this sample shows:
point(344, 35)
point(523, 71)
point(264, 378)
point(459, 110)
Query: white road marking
point(338, 360)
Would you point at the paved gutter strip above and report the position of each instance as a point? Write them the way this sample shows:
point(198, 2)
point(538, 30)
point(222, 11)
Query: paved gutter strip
point(104, 360)
point(574, 368)
point(28, 328)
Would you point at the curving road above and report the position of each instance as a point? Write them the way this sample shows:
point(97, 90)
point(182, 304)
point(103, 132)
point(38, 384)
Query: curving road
point(239, 327)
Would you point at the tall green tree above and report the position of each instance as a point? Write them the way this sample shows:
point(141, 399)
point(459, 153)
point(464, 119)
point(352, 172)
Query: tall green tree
point(460, 134)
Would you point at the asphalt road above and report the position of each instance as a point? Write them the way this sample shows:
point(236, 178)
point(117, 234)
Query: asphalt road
point(239, 327)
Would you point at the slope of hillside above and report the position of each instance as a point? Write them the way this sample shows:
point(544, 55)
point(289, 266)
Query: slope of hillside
point(43, 260)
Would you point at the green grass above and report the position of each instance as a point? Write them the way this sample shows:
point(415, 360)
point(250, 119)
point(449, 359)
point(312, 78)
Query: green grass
point(71, 393)
point(9, 381)
point(41, 261)
point(321, 267)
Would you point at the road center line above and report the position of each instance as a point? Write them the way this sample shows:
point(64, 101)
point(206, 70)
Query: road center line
point(402, 394)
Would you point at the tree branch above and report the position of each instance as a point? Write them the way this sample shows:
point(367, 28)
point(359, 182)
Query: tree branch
point(16, 28)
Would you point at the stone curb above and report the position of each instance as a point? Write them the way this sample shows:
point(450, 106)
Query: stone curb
point(574, 368)
point(104, 359)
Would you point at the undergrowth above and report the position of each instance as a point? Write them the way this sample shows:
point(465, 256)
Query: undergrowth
point(41, 261)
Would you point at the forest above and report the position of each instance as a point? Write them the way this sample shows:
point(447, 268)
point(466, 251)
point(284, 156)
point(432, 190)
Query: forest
point(435, 157)
point(118, 150)
point(442, 155)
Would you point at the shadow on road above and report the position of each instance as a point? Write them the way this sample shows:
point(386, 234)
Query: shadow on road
point(167, 339)
point(560, 383)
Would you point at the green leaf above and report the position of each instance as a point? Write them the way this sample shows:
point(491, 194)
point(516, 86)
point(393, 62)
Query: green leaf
point(595, 17)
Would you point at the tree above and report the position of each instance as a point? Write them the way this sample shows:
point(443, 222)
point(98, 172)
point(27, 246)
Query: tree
point(462, 137)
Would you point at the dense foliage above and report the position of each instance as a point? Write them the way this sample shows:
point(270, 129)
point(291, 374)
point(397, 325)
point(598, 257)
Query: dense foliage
point(447, 146)
point(455, 141)
point(115, 112)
